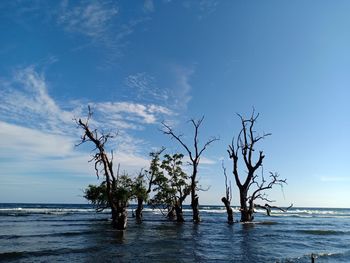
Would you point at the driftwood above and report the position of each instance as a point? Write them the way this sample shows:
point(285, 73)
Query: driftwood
point(268, 208)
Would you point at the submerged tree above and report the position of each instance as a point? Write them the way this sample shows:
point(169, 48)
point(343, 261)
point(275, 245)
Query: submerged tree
point(140, 194)
point(194, 155)
point(227, 198)
point(251, 187)
point(114, 191)
point(171, 186)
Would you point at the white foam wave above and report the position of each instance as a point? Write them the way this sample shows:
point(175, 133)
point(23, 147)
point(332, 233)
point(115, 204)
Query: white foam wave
point(20, 210)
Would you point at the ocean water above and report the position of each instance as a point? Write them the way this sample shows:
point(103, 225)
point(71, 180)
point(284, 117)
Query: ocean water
point(75, 233)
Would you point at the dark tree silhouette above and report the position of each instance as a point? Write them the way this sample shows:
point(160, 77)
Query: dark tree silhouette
point(140, 194)
point(194, 154)
point(252, 187)
point(115, 190)
point(227, 198)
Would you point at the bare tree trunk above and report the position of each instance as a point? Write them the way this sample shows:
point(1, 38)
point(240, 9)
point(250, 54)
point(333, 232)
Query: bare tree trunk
point(171, 213)
point(179, 214)
point(121, 216)
point(247, 216)
point(139, 210)
point(194, 196)
point(228, 210)
point(246, 212)
point(195, 209)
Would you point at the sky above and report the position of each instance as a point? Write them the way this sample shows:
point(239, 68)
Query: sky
point(138, 63)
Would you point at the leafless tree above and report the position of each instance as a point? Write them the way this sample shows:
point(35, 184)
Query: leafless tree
point(227, 198)
point(194, 154)
point(252, 187)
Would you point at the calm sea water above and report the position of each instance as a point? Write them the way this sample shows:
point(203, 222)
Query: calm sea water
point(75, 233)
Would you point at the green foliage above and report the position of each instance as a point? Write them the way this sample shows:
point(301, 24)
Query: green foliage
point(97, 195)
point(139, 190)
point(123, 191)
point(166, 179)
point(170, 181)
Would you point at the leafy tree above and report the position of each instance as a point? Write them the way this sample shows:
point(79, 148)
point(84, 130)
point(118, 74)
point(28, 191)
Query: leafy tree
point(171, 185)
point(140, 194)
point(194, 154)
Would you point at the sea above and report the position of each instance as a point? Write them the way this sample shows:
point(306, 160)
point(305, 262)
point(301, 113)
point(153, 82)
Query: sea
point(76, 233)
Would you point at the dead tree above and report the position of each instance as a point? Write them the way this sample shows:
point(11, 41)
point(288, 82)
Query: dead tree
point(104, 164)
point(251, 188)
point(227, 198)
point(268, 208)
point(194, 155)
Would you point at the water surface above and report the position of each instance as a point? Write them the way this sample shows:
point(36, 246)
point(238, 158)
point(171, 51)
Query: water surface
point(75, 233)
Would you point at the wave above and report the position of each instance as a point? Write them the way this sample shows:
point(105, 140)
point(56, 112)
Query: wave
point(341, 256)
point(61, 234)
point(58, 210)
point(320, 232)
point(14, 255)
point(19, 211)
point(308, 213)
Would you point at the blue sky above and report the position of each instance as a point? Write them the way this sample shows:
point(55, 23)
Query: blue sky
point(138, 63)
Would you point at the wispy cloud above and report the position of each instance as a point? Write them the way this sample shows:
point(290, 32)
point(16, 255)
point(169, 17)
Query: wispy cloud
point(91, 18)
point(173, 93)
point(143, 86)
point(204, 7)
point(24, 99)
point(34, 126)
point(208, 6)
point(335, 179)
point(148, 6)
point(181, 87)
point(102, 24)
point(133, 112)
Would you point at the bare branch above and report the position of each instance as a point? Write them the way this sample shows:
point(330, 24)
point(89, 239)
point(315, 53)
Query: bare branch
point(169, 131)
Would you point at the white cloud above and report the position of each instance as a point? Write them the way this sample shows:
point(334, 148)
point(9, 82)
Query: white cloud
point(25, 100)
point(30, 143)
point(203, 160)
point(38, 135)
point(131, 111)
point(25, 151)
